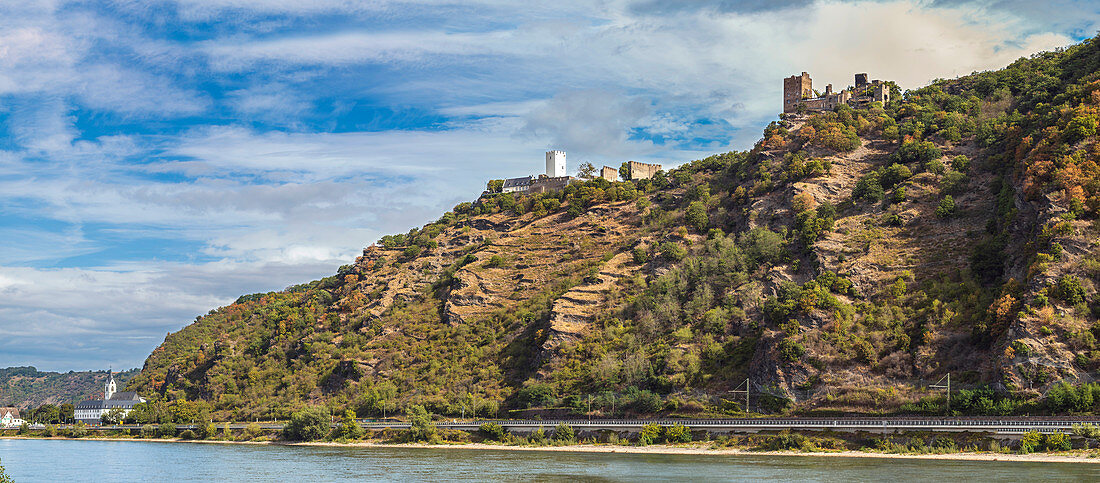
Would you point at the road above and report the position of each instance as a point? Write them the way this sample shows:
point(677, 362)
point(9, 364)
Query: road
point(750, 425)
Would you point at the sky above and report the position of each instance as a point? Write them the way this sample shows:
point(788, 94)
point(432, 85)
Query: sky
point(159, 158)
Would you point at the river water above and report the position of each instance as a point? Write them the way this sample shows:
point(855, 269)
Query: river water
point(123, 461)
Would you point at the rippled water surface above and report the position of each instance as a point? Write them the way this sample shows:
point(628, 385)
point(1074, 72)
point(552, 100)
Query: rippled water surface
point(118, 461)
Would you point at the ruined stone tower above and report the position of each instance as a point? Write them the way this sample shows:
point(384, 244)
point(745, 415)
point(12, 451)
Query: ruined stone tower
point(795, 88)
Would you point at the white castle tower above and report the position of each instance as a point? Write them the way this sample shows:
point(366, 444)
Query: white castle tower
point(109, 388)
point(555, 164)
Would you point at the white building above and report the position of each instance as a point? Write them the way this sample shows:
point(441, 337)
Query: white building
point(513, 185)
point(555, 164)
point(92, 410)
point(9, 418)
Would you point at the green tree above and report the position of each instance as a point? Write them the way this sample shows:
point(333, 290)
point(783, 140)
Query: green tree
point(495, 186)
point(651, 433)
point(166, 430)
point(492, 431)
point(696, 216)
point(79, 430)
point(349, 426)
point(208, 430)
point(586, 171)
point(47, 414)
point(420, 423)
point(66, 413)
point(112, 416)
point(309, 424)
point(565, 433)
point(624, 171)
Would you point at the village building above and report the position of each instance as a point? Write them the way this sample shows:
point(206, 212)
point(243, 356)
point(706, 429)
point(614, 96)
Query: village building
point(92, 410)
point(798, 93)
point(9, 418)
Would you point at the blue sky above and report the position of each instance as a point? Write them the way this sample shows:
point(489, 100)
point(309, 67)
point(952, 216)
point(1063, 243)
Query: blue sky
point(159, 158)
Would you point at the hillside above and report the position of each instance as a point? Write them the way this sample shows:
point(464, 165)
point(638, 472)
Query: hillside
point(846, 261)
point(27, 387)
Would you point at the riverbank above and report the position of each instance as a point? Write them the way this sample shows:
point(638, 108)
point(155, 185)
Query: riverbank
point(1075, 456)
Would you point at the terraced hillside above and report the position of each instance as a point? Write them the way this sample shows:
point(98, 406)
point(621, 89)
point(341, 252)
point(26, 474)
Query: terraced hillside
point(842, 264)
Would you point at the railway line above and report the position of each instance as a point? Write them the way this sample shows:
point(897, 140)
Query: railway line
point(1007, 426)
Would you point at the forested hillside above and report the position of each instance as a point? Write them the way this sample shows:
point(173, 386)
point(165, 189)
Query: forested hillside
point(842, 264)
point(27, 387)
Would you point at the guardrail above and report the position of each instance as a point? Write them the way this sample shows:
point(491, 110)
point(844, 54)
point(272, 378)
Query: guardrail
point(1004, 426)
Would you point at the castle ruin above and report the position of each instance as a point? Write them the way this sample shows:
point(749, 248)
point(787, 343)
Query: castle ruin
point(798, 93)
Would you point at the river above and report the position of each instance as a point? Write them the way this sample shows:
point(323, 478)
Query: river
point(122, 461)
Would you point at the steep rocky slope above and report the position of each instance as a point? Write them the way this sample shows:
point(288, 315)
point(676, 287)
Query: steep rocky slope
point(842, 264)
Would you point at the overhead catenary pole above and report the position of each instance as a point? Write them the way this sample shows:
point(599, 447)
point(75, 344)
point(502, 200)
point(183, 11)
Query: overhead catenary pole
point(738, 390)
point(941, 384)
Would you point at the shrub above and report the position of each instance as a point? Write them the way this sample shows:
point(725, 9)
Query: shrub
point(79, 430)
point(1057, 442)
point(187, 434)
point(1069, 290)
point(650, 434)
point(960, 163)
point(786, 440)
point(565, 433)
point(1030, 442)
point(673, 251)
point(790, 351)
point(640, 255)
point(309, 424)
point(253, 430)
point(208, 430)
point(495, 261)
point(894, 174)
point(696, 216)
point(1086, 430)
point(946, 208)
point(148, 431)
point(952, 182)
point(492, 431)
point(166, 430)
point(678, 433)
point(898, 196)
point(868, 188)
point(935, 167)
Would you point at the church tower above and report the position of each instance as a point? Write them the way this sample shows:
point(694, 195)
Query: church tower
point(109, 389)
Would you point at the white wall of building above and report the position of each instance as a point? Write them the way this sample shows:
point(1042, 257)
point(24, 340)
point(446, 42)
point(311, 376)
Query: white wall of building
point(555, 164)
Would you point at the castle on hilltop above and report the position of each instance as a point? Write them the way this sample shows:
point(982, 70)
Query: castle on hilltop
point(798, 93)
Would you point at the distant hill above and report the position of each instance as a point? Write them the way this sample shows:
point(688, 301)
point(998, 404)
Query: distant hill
point(842, 264)
point(27, 387)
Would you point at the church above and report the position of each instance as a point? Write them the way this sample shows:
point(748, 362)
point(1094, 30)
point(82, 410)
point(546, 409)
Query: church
point(92, 410)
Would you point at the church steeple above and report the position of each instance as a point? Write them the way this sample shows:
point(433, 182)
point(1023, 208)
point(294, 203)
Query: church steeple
point(109, 388)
